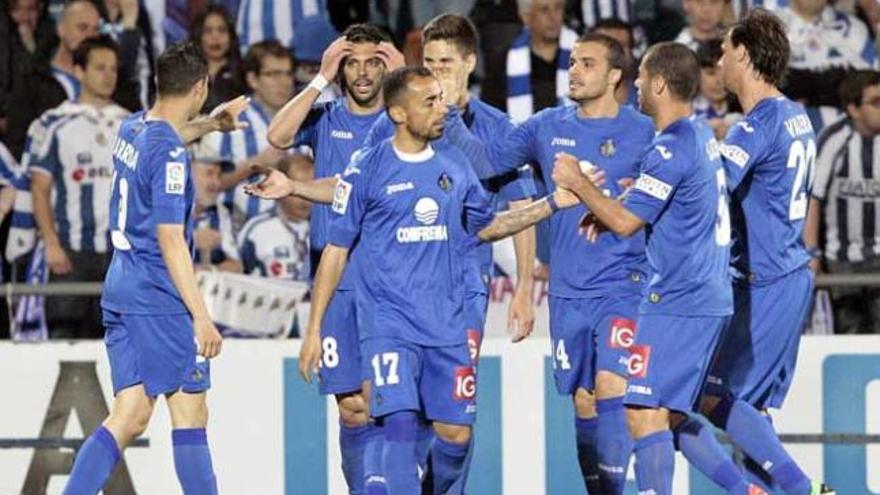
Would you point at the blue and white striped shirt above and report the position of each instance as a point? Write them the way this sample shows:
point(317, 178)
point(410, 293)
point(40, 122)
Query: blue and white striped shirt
point(260, 20)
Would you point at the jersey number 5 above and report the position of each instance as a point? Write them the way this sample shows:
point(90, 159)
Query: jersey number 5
point(117, 236)
point(801, 157)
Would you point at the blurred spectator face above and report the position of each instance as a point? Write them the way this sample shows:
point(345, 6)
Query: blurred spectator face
point(273, 84)
point(589, 73)
point(712, 84)
point(867, 113)
point(300, 169)
point(99, 76)
point(544, 18)
point(705, 15)
point(215, 38)
point(363, 71)
point(206, 177)
point(809, 7)
point(25, 13)
point(79, 21)
point(446, 61)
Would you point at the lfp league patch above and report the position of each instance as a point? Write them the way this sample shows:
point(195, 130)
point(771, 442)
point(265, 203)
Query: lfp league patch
point(175, 177)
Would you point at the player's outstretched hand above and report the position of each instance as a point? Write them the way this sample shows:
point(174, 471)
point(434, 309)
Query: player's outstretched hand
point(391, 56)
point(208, 337)
point(333, 56)
point(310, 356)
point(225, 115)
point(275, 185)
point(520, 315)
point(56, 258)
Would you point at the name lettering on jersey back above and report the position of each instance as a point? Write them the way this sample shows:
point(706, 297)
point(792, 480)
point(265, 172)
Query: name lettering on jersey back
point(341, 134)
point(558, 141)
point(125, 152)
point(798, 125)
point(653, 186)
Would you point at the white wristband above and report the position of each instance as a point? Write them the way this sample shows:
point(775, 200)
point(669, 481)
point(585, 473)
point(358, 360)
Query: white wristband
point(319, 82)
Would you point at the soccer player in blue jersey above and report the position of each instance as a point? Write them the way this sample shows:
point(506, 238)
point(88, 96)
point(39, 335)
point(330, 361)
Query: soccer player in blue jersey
point(681, 197)
point(159, 335)
point(768, 159)
point(335, 131)
point(415, 209)
point(594, 288)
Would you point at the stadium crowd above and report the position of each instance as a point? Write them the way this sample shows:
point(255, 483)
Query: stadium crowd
point(71, 71)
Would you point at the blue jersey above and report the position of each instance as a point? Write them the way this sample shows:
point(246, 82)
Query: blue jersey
point(334, 134)
point(578, 268)
point(681, 194)
point(769, 158)
point(487, 125)
point(152, 185)
point(415, 216)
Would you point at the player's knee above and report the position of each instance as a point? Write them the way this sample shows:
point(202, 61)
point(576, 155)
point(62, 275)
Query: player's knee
point(609, 385)
point(584, 403)
point(129, 424)
point(353, 411)
point(458, 434)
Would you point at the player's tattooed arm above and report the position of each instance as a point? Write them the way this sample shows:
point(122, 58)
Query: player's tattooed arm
point(333, 261)
point(610, 212)
point(224, 118)
point(510, 222)
point(276, 185)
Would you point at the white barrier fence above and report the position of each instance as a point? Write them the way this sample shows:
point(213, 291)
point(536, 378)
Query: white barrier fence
point(271, 434)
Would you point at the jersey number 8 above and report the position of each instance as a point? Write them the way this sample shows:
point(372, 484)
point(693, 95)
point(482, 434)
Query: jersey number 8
point(802, 158)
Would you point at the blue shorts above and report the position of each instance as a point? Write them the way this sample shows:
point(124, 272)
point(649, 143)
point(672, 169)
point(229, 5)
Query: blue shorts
point(475, 307)
point(340, 370)
point(439, 381)
point(670, 359)
point(589, 335)
point(758, 353)
point(156, 351)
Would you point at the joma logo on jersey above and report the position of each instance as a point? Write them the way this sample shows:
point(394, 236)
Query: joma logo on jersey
point(639, 357)
point(623, 333)
point(558, 141)
point(396, 188)
point(465, 383)
point(341, 134)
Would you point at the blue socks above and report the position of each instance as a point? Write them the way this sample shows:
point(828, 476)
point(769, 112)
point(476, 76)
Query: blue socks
point(94, 463)
point(192, 461)
point(423, 445)
point(698, 444)
point(398, 473)
point(352, 441)
point(755, 435)
point(448, 462)
point(458, 488)
point(587, 435)
point(374, 482)
point(614, 445)
point(655, 463)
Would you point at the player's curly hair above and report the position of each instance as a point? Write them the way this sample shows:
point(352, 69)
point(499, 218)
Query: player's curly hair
point(766, 42)
point(365, 33)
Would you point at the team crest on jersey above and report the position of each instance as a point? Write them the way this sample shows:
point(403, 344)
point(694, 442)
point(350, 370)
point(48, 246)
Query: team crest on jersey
point(175, 178)
point(445, 182)
point(608, 148)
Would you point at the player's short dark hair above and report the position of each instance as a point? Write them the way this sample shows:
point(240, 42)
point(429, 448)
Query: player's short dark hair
point(258, 52)
point(395, 83)
point(766, 42)
point(614, 23)
point(709, 52)
point(853, 86)
point(677, 65)
point(179, 68)
point(102, 42)
point(453, 28)
point(617, 57)
point(365, 33)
